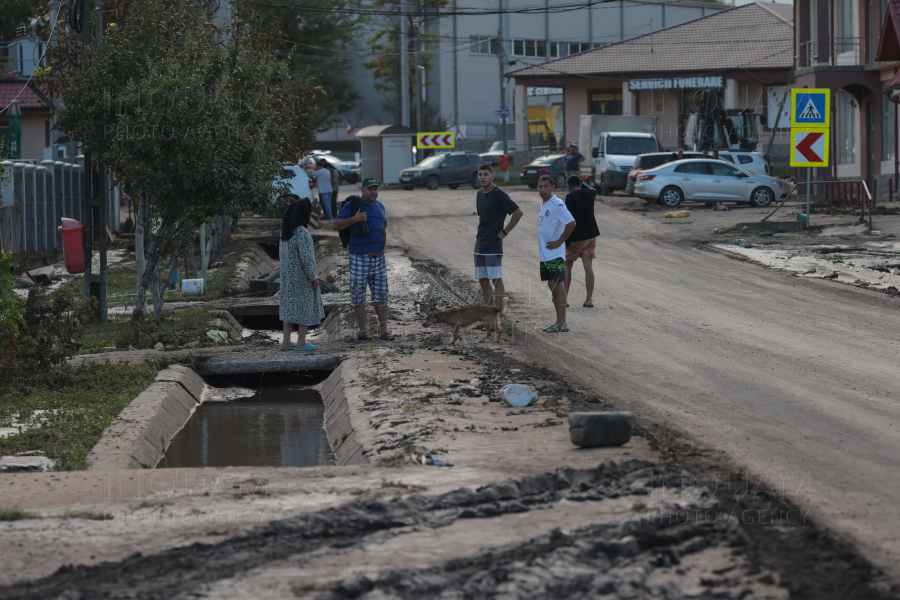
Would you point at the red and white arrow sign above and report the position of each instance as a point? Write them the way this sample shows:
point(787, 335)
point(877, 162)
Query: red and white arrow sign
point(436, 140)
point(810, 148)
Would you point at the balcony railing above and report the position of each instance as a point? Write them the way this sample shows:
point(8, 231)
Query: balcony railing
point(841, 51)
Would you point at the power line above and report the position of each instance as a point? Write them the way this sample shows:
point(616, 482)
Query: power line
point(544, 10)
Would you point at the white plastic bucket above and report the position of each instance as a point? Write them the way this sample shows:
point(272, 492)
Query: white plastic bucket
point(518, 395)
point(191, 287)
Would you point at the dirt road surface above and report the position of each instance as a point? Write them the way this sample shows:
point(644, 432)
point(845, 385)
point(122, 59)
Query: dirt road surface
point(795, 379)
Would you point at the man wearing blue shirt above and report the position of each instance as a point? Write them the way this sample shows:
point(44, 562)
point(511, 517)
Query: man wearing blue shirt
point(367, 267)
point(573, 160)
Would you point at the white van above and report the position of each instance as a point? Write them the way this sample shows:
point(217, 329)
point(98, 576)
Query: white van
point(614, 155)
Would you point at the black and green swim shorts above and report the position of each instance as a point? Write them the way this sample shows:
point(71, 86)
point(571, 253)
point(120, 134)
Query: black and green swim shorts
point(553, 270)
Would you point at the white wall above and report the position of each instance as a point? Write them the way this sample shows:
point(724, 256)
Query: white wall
point(477, 78)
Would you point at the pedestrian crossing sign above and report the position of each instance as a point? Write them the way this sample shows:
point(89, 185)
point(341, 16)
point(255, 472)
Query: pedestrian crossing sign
point(810, 107)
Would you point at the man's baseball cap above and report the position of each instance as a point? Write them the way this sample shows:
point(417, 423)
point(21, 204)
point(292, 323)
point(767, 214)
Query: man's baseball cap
point(370, 182)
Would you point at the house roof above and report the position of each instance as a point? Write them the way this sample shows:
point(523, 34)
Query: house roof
point(889, 46)
point(28, 100)
point(751, 36)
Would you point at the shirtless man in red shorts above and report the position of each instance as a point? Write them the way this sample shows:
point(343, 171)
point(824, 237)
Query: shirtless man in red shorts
point(583, 241)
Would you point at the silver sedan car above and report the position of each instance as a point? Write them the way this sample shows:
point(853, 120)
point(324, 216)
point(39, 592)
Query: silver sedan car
point(707, 180)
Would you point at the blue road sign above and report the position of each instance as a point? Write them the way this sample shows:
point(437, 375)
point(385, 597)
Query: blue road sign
point(810, 107)
point(503, 112)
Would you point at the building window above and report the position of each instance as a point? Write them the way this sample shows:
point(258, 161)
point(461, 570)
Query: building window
point(846, 126)
point(483, 45)
point(606, 103)
point(888, 127)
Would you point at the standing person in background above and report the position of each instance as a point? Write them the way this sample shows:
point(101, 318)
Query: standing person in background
point(300, 298)
point(573, 159)
point(493, 205)
point(555, 225)
point(367, 266)
point(583, 241)
point(323, 181)
point(335, 185)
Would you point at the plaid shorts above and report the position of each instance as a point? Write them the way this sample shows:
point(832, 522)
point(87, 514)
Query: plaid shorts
point(369, 271)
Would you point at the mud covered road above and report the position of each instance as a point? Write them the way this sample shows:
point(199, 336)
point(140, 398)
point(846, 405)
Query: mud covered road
point(793, 379)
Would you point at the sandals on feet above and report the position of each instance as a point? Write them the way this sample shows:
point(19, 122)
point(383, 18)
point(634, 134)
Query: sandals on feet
point(291, 347)
point(386, 336)
point(362, 335)
point(556, 329)
point(586, 305)
point(308, 346)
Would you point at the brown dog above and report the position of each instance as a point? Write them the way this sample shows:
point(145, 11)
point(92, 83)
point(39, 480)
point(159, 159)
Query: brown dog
point(463, 317)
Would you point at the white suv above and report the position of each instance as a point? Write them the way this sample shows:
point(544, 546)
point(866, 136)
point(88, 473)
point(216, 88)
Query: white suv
point(750, 161)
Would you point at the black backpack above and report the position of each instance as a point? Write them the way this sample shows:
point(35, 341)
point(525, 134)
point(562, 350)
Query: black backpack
point(357, 229)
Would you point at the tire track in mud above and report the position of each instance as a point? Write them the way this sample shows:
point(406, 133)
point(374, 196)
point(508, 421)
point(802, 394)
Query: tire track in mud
point(589, 560)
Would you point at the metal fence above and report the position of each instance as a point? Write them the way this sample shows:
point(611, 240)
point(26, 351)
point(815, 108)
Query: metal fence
point(42, 195)
point(9, 229)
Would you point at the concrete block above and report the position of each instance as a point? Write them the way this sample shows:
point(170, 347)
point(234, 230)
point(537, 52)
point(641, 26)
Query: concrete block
point(596, 429)
point(25, 464)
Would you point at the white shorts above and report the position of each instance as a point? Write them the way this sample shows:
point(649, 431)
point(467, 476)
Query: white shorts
point(488, 266)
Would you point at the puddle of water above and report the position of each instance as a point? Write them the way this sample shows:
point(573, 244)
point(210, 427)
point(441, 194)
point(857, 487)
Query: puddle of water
point(874, 266)
point(271, 427)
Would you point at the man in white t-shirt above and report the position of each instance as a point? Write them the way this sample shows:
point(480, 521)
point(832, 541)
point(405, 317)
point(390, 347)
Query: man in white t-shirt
point(554, 226)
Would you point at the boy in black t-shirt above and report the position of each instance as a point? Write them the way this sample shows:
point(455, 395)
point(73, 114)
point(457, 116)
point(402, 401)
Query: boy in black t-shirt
point(493, 205)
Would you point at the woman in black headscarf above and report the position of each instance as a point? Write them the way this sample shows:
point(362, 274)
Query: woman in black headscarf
point(301, 300)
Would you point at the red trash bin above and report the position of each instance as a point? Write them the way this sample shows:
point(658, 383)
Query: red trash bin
point(504, 162)
point(73, 246)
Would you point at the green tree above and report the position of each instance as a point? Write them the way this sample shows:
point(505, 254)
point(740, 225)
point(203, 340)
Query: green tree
point(385, 44)
point(196, 118)
point(21, 12)
point(316, 45)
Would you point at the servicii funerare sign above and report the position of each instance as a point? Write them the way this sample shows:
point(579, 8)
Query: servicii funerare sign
point(676, 83)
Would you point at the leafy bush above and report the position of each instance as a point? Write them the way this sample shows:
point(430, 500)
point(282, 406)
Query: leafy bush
point(43, 330)
point(11, 321)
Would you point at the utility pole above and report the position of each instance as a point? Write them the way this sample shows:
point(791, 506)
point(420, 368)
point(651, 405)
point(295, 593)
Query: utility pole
point(420, 83)
point(88, 231)
point(404, 63)
point(500, 57)
point(100, 196)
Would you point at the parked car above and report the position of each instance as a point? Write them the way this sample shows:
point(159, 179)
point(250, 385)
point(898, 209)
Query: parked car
point(749, 161)
point(643, 162)
point(349, 169)
point(299, 186)
point(708, 181)
point(492, 156)
point(451, 169)
point(553, 165)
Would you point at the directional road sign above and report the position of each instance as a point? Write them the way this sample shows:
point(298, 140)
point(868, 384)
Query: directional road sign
point(811, 108)
point(443, 139)
point(503, 112)
point(809, 147)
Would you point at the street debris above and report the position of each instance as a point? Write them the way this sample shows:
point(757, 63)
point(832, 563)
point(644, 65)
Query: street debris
point(518, 395)
point(218, 336)
point(600, 429)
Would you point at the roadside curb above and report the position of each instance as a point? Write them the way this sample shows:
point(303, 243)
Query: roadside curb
point(342, 421)
point(139, 435)
point(253, 263)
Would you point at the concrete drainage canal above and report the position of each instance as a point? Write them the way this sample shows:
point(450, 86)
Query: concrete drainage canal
point(255, 419)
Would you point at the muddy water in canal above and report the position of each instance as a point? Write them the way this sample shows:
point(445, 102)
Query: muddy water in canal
point(271, 427)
